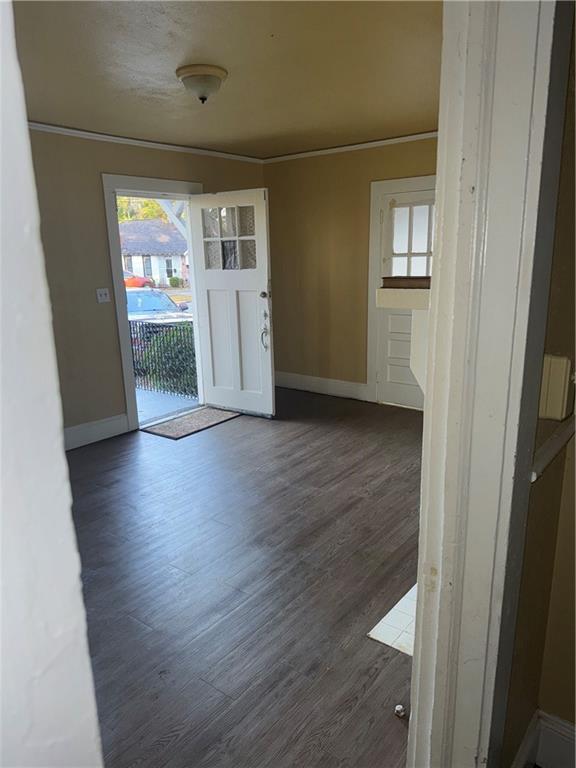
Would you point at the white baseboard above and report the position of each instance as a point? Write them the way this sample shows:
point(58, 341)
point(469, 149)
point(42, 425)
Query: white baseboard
point(92, 431)
point(548, 742)
point(528, 749)
point(334, 387)
point(555, 743)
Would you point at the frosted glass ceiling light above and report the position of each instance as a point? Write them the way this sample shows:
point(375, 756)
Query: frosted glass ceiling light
point(201, 79)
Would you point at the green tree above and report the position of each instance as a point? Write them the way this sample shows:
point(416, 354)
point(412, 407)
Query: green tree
point(168, 362)
point(130, 208)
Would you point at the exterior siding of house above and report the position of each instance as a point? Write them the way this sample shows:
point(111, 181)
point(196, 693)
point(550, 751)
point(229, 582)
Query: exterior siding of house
point(158, 264)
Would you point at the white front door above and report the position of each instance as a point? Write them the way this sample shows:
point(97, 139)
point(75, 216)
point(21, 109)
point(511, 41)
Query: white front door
point(232, 276)
point(406, 235)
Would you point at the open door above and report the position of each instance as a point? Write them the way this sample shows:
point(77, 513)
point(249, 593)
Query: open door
point(232, 275)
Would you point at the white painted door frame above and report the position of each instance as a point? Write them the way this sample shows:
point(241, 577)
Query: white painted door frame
point(496, 186)
point(139, 186)
point(378, 191)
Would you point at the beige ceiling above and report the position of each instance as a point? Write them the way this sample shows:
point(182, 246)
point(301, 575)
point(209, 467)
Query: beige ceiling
point(303, 75)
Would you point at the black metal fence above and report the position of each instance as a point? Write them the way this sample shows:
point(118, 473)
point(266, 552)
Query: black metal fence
point(164, 358)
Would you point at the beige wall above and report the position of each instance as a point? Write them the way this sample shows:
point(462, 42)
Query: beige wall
point(532, 618)
point(68, 176)
point(543, 664)
point(556, 694)
point(319, 224)
point(560, 329)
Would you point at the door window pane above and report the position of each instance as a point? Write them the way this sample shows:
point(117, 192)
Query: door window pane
point(248, 254)
point(420, 228)
point(212, 254)
point(401, 216)
point(210, 223)
point(228, 222)
point(230, 254)
point(246, 220)
point(418, 266)
point(399, 266)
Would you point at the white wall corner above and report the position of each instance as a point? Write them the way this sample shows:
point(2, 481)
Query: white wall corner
point(335, 387)
point(93, 431)
point(48, 713)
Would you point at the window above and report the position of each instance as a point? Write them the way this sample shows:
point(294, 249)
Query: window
point(412, 238)
point(147, 266)
point(170, 271)
point(128, 263)
point(229, 237)
point(147, 300)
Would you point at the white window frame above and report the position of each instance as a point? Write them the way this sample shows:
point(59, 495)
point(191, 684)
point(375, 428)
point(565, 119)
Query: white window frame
point(498, 167)
point(147, 260)
point(137, 186)
point(392, 203)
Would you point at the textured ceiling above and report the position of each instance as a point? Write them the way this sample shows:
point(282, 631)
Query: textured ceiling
point(303, 75)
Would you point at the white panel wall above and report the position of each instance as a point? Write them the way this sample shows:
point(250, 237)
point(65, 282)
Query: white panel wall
point(419, 346)
point(48, 715)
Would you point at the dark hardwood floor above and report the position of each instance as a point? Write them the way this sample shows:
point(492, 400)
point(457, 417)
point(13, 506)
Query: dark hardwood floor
point(230, 579)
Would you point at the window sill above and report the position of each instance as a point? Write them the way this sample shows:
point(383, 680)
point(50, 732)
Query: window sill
point(406, 282)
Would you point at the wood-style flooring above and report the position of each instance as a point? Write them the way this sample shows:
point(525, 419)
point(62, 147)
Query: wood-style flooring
point(230, 579)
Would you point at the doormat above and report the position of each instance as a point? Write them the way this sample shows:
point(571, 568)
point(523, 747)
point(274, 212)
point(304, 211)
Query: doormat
point(195, 421)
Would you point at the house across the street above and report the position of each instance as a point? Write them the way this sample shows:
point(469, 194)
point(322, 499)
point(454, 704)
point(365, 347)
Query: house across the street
point(154, 248)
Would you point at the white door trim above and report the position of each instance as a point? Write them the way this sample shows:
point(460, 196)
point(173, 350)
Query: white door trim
point(475, 475)
point(378, 189)
point(142, 187)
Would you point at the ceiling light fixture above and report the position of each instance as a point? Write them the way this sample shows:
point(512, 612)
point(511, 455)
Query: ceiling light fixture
point(201, 79)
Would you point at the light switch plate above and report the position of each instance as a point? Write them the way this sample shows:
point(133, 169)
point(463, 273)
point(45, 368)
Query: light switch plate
point(102, 295)
point(556, 384)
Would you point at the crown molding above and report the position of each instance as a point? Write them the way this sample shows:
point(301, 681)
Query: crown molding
point(352, 147)
point(94, 136)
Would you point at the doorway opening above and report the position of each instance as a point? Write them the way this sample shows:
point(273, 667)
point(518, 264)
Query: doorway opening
point(158, 282)
point(202, 288)
point(401, 258)
point(400, 265)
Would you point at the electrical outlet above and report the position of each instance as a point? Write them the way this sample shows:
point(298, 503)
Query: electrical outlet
point(102, 295)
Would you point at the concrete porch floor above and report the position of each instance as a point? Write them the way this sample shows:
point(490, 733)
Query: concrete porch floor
point(157, 405)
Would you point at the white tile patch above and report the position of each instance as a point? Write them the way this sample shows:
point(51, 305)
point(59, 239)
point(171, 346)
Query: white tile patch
point(397, 627)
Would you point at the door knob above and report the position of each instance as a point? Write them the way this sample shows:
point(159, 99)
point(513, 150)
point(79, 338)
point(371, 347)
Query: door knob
point(263, 295)
point(263, 337)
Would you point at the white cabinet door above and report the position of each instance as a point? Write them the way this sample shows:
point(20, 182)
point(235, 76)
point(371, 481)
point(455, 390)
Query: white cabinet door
point(232, 275)
point(396, 382)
